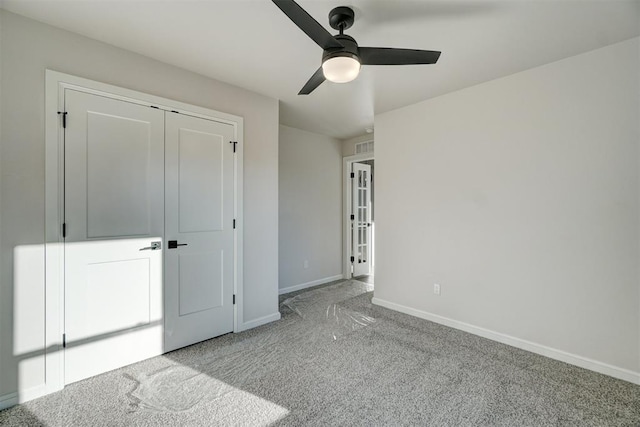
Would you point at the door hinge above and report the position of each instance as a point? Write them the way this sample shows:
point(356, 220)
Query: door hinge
point(64, 119)
point(234, 224)
point(64, 340)
point(353, 174)
point(353, 259)
point(234, 299)
point(64, 229)
point(234, 145)
point(353, 217)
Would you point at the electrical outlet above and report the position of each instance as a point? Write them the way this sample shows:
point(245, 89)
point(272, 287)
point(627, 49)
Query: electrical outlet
point(306, 263)
point(436, 289)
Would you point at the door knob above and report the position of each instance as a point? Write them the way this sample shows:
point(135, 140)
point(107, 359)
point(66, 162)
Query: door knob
point(173, 244)
point(154, 247)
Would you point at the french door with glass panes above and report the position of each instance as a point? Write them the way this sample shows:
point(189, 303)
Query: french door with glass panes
point(361, 219)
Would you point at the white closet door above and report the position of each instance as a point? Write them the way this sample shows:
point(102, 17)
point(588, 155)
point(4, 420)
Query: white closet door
point(361, 237)
point(199, 165)
point(114, 207)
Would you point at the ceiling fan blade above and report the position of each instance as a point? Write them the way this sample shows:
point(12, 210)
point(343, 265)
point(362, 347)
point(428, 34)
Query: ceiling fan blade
point(391, 56)
point(315, 81)
point(310, 26)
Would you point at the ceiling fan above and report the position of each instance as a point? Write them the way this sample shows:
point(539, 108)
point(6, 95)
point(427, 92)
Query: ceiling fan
point(342, 56)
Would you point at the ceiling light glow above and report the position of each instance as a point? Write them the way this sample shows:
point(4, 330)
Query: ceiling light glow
point(341, 69)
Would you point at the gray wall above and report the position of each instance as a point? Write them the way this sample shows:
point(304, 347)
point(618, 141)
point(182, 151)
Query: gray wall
point(310, 207)
point(27, 49)
point(520, 197)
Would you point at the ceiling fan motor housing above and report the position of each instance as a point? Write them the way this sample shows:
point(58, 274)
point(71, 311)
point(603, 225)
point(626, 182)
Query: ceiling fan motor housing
point(341, 18)
point(350, 49)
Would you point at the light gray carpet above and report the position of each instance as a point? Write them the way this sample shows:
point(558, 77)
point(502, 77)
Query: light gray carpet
point(334, 359)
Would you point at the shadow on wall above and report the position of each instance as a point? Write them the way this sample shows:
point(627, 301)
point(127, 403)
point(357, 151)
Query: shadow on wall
point(23, 337)
point(23, 345)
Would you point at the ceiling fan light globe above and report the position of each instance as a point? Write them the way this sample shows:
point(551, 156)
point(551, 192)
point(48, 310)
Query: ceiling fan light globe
point(341, 69)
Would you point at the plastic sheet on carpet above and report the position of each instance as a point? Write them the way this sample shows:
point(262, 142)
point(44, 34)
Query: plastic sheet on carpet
point(321, 308)
point(175, 388)
point(319, 318)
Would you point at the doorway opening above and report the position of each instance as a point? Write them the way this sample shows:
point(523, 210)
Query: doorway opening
point(359, 217)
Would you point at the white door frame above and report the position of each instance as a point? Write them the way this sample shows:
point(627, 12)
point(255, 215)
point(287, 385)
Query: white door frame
point(346, 208)
point(55, 85)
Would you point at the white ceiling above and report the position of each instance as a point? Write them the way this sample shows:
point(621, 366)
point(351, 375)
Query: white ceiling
point(252, 44)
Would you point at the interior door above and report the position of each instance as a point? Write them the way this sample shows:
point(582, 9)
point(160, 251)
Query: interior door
point(114, 210)
point(361, 224)
point(199, 259)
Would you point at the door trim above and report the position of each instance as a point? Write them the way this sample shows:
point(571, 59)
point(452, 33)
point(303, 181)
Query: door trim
point(55, 85)
point(346, 207)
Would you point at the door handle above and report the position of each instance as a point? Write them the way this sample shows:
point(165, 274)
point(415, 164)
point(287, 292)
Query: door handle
point(154, 247)
point(173, 244)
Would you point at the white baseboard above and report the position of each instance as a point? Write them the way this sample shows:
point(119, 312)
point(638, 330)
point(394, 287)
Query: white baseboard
point(310, 284)
point(12, 399)
point(260, 321)
point(34, 392)
point(563, 356)
point(9, 400)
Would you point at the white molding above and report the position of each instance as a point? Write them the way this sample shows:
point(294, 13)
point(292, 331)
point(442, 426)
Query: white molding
point(563, 356)
point(360, 157)
point(9, 400)
point(260, 321)
point(310, 284)
point(33, 393)
point(12, 399)
point(68, 81)
point(54, 243)
point(239, 231)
